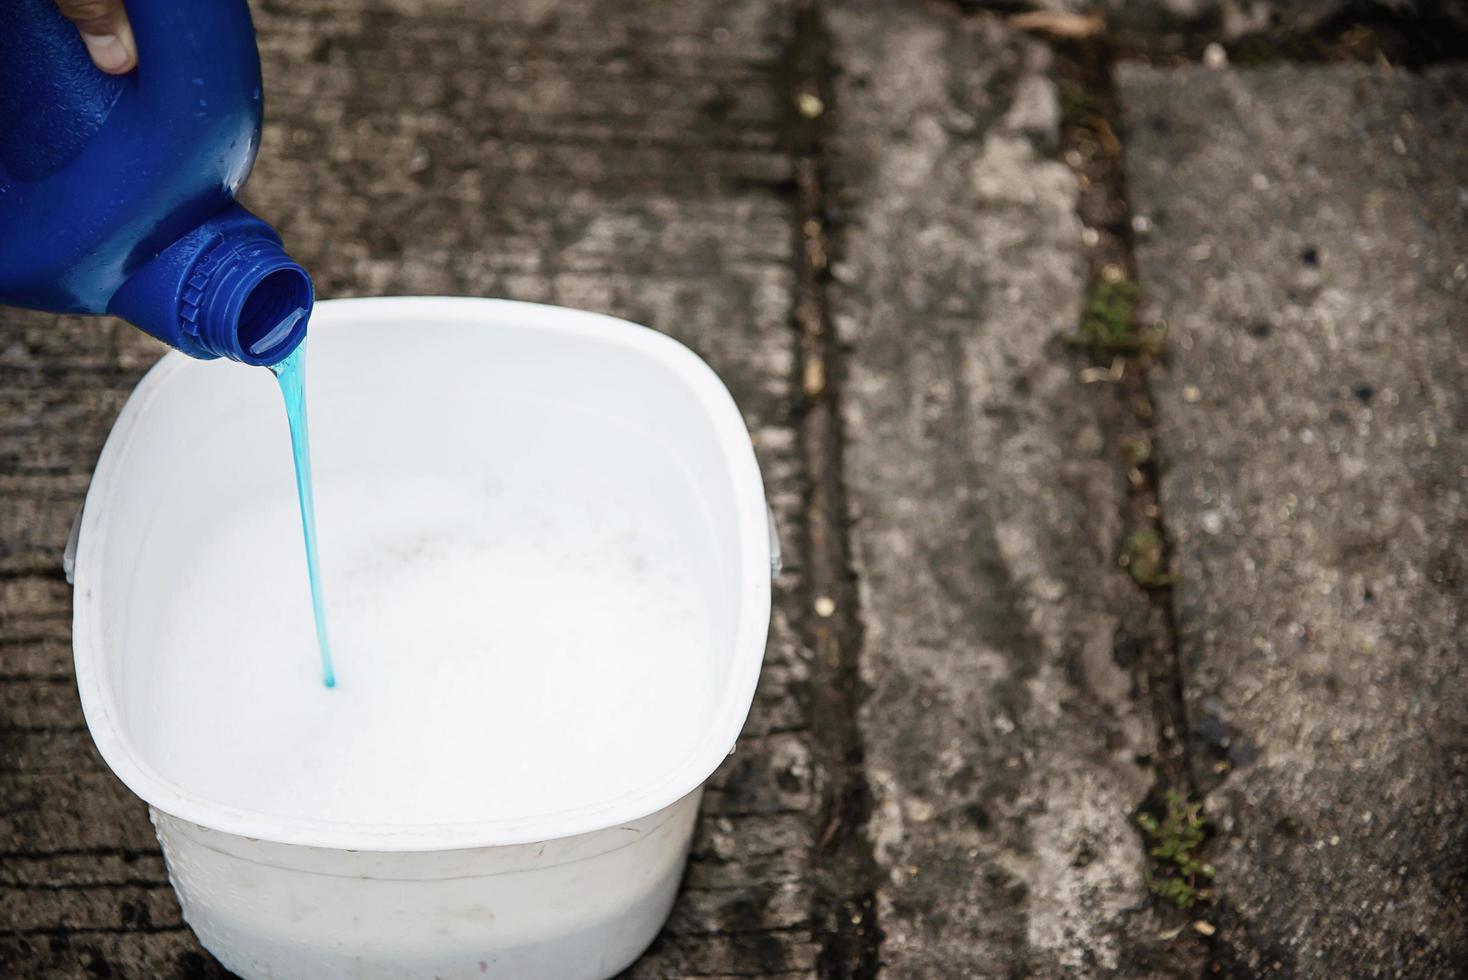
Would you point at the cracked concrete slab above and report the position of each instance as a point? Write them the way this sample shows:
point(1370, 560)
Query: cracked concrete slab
point(1304, 241)
point(1309, 230)
point(615, 157)
point(1003, 740)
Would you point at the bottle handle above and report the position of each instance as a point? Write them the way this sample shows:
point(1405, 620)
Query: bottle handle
point(52, 98)
point(179, 49)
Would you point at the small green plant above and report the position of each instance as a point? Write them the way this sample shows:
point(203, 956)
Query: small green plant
point(1143, 556)
point(1110, 327)
point(1179, 874)
point(1138, 450)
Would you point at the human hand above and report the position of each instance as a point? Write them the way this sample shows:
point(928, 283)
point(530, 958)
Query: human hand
point(106, 32)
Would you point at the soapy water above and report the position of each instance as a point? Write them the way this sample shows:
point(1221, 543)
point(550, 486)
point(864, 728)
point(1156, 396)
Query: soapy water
point(291, 373)
point(519, 633)
point(515, 647)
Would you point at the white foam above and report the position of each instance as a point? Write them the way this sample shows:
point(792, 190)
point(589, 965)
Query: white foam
point(499, 653)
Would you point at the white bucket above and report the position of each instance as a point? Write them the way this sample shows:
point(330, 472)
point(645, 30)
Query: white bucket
point(506, 779)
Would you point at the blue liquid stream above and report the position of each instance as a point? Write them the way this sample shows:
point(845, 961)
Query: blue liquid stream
point(291, 373)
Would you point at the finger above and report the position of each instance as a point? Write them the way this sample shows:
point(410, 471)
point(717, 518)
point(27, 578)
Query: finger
point(106, 32)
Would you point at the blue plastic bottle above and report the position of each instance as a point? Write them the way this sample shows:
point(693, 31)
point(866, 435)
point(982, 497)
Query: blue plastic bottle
point(117, 193)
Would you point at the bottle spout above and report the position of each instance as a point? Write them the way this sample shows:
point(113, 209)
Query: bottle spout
point(225, 289)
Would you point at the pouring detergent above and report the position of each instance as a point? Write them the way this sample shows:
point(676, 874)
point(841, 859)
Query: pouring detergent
point(117, 196)
point(556, 611)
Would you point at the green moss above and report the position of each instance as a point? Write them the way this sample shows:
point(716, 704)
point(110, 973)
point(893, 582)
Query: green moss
point(1143, 556)
point(1110, 325)
point(1138, 451)
point(1179, 874)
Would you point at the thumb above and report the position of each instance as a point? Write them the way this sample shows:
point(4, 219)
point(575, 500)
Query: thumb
point(106, 32)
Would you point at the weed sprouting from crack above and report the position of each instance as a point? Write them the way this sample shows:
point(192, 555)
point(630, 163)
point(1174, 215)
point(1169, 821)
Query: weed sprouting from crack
point(1178, 874)
point(1110, 326)
point(1145, 557)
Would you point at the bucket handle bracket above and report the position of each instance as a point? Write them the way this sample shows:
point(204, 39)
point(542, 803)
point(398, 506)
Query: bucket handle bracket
point(777, 560)
point(68, 556)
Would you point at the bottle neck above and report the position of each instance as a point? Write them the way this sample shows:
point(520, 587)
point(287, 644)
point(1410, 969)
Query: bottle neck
point(252, 302)
point(225, 289)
